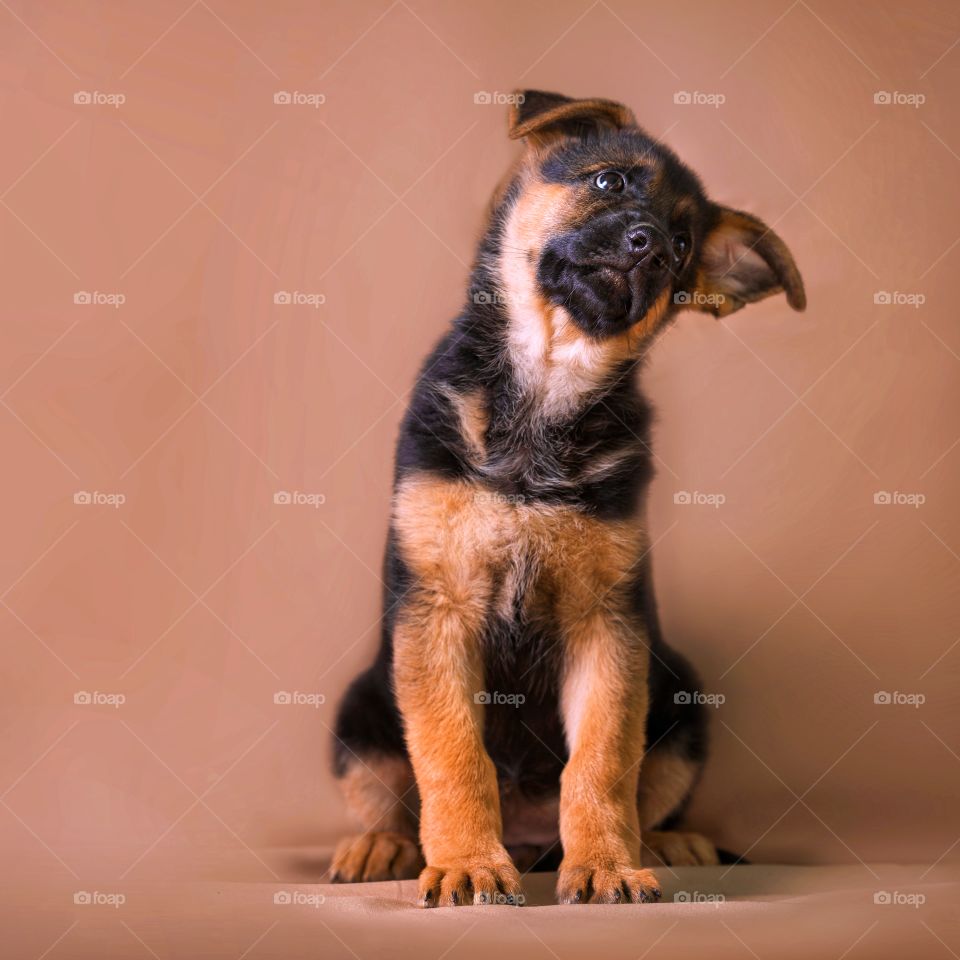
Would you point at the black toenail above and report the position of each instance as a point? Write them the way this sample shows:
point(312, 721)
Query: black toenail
point(578, 896)
point(454, 898)
point(617, 896)
point(657, 893)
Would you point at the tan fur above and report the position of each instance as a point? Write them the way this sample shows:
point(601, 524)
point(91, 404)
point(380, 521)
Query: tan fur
point(376, 855)
point(665, 780)
point(472, 417)
point(381, 794)
point(684, 205)
point(604, 705)
point(678, 849)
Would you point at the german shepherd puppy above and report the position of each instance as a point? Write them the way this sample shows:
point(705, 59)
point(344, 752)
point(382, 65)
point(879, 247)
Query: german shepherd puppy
point(523, 697)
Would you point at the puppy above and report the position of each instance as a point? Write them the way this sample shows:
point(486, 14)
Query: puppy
point(523, 699)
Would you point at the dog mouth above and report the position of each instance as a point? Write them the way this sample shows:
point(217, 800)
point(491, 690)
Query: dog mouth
point(620, 286)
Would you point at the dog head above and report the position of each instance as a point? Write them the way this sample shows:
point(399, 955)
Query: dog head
point(610, 225)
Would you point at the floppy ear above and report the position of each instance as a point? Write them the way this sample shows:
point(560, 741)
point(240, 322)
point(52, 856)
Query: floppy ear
point(542, 117)
point(742, 261)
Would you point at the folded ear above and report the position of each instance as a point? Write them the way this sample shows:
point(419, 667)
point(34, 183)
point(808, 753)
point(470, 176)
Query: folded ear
point(542, 117)
point(743, 260)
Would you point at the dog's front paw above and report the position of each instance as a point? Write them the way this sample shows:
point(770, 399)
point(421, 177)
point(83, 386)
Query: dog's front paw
point(606, 883)
point(470, 880)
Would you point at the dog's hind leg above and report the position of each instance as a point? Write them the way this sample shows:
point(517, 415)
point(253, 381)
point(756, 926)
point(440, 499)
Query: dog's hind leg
point(376, 779)
point(677, 736)
point(381, 794)
point(666, 780)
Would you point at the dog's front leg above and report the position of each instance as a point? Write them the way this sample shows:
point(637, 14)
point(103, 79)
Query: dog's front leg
point(449, 543)
point(604, 702)
point(438, 675)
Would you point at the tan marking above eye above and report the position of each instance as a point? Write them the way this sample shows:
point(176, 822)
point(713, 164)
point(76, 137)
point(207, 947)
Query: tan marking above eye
point(683, 206)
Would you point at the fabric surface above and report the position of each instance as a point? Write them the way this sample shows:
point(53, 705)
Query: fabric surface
point(266, 905)
point(172, 663)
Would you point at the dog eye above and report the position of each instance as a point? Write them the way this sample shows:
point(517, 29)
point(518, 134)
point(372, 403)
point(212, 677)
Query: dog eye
point(681, 244)
point(610, 180)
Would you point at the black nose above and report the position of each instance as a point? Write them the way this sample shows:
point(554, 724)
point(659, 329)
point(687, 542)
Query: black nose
point(646, 244)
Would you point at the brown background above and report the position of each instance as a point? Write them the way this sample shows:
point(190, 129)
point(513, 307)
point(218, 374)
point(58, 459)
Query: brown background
point(199, 198)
